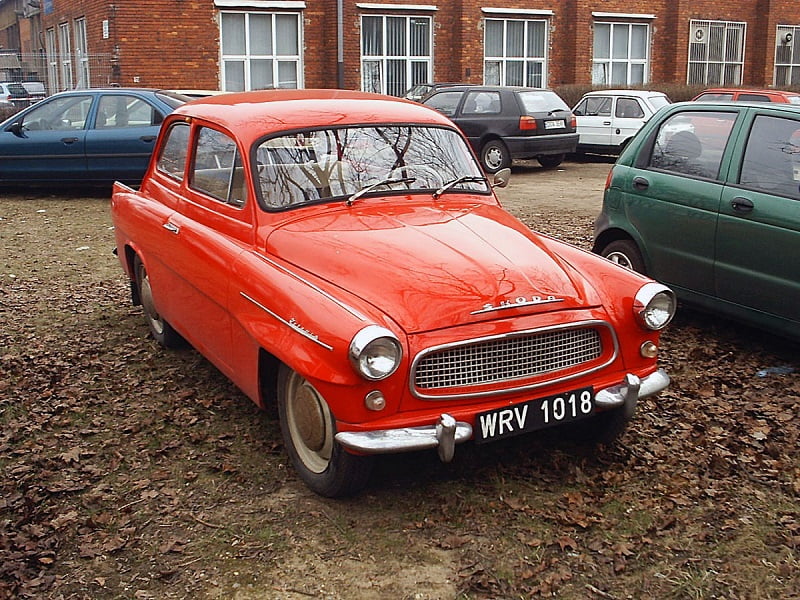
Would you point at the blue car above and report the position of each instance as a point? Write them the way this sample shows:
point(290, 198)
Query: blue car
point(94, 136)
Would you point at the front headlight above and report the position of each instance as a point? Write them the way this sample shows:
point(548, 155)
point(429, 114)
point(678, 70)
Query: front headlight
point(654, 306)
point(375, 352)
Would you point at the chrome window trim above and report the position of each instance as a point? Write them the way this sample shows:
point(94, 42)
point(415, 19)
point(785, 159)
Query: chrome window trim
point(597, 323)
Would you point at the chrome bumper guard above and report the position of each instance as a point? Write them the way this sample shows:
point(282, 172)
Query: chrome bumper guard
point(444, 435)
point(447, 432)
point(631, 390)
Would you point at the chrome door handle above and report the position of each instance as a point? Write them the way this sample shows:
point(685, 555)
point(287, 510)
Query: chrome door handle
point(171, 227)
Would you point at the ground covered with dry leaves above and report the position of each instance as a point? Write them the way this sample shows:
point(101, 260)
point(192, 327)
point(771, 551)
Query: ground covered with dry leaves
point(133, 472)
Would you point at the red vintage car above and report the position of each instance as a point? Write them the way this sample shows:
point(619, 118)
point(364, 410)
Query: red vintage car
point(343, 255)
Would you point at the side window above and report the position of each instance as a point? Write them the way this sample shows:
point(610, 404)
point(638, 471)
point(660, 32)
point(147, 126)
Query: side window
point(598, 106)
point(692, 143)
point(217, 169)
point(119, 110)
point(628, 108)
point(59, 114)
point(753, 98)
point(481, 103)
point(771, 161)
point(172, 159)
point(445, 102)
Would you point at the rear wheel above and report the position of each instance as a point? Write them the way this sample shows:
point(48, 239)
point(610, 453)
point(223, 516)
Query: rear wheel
point(550, 161)
point(308, 430)
point(160, 329)
point(495, 156)
point(626, 254)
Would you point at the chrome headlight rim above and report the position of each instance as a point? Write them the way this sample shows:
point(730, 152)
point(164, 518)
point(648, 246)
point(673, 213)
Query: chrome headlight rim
point(361, 343)
point(646, 307)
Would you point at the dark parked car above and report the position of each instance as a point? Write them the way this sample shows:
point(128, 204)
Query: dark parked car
point(419, 91)
point(84, 136)
point(502, 123)
point(705, 199)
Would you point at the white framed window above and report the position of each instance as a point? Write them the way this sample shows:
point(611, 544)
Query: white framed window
point(65, 56)
point(787, 55)
point(81, 55)
point(515, 52)
point(716, 52)
point(52, 59)
point(621, 53)
point(260, 50)
point(395, 53)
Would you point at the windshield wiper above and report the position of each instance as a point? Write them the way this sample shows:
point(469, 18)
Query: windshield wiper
point(464, 179)
point(369, 188)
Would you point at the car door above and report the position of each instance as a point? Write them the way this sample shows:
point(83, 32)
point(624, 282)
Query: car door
point(47, 142)
point(629, 116)
point(122, 136)
point(672, 196)
point(593, 114)
point(758, 238)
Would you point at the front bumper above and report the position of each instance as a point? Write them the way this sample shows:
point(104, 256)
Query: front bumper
point(448, 432)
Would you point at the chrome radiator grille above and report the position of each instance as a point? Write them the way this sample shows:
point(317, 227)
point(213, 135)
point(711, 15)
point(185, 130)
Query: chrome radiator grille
point(508, 358)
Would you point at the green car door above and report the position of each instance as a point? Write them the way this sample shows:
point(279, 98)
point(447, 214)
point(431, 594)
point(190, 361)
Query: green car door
point(758, 238)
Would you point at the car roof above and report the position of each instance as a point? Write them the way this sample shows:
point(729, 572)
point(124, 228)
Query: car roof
point(729, 106)
point(251, 115)
point(723, 90)
point(639, 93)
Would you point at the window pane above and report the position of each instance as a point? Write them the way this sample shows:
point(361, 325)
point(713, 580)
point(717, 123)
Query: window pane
point(620, 33)
point(396, 83)
point(260, 74)
point(260, 34)
point(515, 38)
point(372, 76)
point(637, 74)
point(602, 40)
point(372, 36)
point(420, 37)
point(287, 74)
point(619, 73)
point(286, 42)
point(494, 38)
point(515, 73)
point(173, 156)
point(600, 73)
point(536, 36)
point(639, 41)
point(419, 73)
point(234, 75)
point(233, 34)
point(534, 74)
point(395, 36)
point(491, 72)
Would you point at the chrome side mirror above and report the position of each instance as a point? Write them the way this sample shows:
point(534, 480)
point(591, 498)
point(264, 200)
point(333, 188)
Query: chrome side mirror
point(501, 178)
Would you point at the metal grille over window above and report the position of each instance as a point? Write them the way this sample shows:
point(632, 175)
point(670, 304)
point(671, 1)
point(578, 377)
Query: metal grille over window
point(507, 359)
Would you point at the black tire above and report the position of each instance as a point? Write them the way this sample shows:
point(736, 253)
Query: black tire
point(626, 254)
point(308, 430)
point(550, 161)
point(160, 329)
point(495, 156)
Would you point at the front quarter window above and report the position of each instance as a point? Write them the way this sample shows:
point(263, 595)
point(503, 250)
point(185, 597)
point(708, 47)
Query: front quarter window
point(172, 159)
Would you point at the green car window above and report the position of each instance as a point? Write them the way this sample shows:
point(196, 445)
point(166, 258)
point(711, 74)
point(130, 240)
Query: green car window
point(772, 159)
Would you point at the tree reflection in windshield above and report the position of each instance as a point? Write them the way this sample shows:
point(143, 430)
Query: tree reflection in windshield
point(319, 165)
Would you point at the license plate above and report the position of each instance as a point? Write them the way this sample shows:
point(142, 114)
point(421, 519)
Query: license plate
point(534, 414)
point(558, 124)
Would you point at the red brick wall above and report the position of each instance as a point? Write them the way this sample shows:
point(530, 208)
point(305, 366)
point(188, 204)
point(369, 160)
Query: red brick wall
point(175, 43)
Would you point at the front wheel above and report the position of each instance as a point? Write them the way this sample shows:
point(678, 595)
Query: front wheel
point(160, 329)
point(495, 156)
point(626, 254)
point(550, 161)
point(308, 430)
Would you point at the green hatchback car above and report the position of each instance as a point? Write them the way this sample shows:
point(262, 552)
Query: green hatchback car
point(706, 199)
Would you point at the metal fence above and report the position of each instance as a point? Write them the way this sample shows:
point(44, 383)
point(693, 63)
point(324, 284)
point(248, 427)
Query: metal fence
point(62, 72)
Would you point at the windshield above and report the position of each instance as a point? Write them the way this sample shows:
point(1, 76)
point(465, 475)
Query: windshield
point(319, 165)
point(542, 101)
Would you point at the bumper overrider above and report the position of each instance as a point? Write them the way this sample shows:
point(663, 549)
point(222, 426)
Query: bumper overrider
point(447, 432)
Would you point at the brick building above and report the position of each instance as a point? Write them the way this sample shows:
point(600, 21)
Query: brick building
point(389, 45)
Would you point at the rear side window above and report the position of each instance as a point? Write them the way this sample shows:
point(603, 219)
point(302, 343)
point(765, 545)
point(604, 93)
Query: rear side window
point(117, 111)
point(772, 158)
point(481, 103)
point(714, 97)
point(172, 159)
point(753, 98)
point(628, 108)
point(692, 143)
point(445, 102)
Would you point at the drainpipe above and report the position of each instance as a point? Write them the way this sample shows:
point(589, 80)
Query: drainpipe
point(339, 44)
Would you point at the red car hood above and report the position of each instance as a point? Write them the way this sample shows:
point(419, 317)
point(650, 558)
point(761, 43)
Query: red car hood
point(429, 267)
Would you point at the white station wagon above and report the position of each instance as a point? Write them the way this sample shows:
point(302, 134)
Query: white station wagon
point(608, 119)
